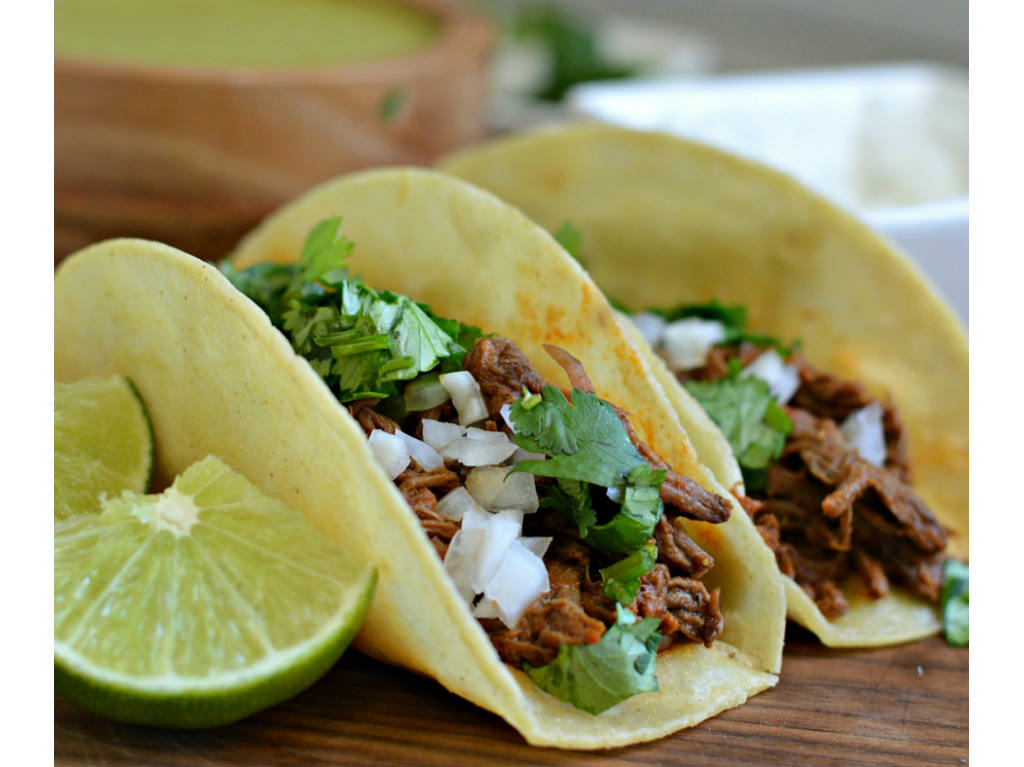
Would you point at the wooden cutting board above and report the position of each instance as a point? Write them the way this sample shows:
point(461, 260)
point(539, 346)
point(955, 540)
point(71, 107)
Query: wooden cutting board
point(898, 705)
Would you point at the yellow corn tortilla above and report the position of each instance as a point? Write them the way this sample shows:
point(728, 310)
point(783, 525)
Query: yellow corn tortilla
point(665, 221)
point(218, 378)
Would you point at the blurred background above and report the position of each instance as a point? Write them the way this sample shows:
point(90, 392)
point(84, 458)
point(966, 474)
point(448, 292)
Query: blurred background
point(164, 129)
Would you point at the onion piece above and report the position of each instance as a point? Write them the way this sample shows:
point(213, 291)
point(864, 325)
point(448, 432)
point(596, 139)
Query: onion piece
point(651, 326)
point(425, 393)
point(484, 448)
point(421, 452)
point(536, 545)
point(486, 608)
point(616, 494)
point(439, 435)
point(499, 533)
point(466, 396)
point(687, 342)
point(781, 378)
point(455, 504)
point(517, 582)
point(521, 455)
point(460, 558)
point(864, 432)
point(390, 451)
point(496, 488)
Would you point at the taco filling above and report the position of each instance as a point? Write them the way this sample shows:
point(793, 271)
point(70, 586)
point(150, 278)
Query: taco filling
point(825, 465)
point(558, 526)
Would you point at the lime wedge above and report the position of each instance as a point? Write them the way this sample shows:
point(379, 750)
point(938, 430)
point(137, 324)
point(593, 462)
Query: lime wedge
point(198, 606)
point(102, 443)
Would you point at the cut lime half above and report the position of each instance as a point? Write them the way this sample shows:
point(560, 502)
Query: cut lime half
point(198, 606)
point(102, 443)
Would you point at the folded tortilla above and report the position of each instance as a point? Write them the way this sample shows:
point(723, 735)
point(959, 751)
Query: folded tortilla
point(666, 221)
point(218, 378)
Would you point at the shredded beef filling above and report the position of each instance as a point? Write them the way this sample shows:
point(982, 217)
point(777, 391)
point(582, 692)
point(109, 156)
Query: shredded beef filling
point(826, 513)
point(575, 610)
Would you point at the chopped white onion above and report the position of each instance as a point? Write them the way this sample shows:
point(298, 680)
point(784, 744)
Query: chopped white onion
point(521, 455)
point(486, 608)
point(651, 326)
point(519, 579)
point(424, 394)
point(455, 504)
point(439, 435)
point(498, 534)
point(539, 546)
point(496, 488)
point(515, 515)
point(390, 451)
point(781, 378)
point(466, 397)
point(616, 494)
point(687, 342)
point(864, 432)
point(423, 453)
point(460, 558)
point(484, 448)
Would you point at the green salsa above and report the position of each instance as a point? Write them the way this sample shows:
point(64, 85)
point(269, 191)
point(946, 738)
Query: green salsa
point(239, 33)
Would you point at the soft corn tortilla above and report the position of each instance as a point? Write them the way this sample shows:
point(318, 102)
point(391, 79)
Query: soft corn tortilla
point(218, 378)
point(665, 221)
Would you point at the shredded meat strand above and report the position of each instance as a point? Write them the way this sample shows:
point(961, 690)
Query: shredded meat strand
point(829, 515)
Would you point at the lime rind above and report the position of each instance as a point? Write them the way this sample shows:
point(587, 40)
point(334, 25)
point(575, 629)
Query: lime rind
point(189, 704)
point(103, 443)
point(199, 606)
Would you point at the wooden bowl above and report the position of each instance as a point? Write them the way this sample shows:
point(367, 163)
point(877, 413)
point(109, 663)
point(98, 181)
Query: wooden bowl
point(196, 157)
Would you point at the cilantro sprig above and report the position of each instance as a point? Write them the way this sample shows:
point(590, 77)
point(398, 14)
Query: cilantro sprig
point(622, 579)
point(749, 417)
point(595, 677)
point(734, 320)
point(362, 342)
point(588, 445)
point(956, 603)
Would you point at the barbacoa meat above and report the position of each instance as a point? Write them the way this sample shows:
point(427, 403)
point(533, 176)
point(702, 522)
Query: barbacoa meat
point(826, 513)
point(575, 610)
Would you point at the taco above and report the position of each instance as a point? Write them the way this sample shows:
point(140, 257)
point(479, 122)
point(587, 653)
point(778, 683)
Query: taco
point(669, 225)
point(394, 429)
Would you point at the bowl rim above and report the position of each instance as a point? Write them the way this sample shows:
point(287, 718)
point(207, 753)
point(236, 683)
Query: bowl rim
point(463, 33)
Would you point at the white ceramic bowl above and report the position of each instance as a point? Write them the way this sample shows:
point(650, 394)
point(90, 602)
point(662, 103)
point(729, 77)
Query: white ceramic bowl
point(888, 142)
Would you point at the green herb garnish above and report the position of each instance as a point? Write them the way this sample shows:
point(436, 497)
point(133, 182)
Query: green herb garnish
point(955, 603)
point(595, 677)
point(622, 579)
point(362, 342)
point(749, 417)
point(391, 104)
point(588, 445)
point(570, 238)
point(571, 48)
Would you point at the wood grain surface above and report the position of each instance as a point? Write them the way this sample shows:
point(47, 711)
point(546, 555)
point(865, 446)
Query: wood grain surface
point(898, 705)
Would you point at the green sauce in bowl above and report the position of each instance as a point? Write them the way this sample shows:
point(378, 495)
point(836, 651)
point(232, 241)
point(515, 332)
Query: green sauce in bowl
point(262, 34)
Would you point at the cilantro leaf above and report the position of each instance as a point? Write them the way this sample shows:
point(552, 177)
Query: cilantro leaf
point(572, 496)
point(588, 445)
point(640, 512)
point(622, 579)
point(362, 342)
point(955, 603)
point(595, 677)
point(325, 251)
point(570, 238)
point(586, 440)
point(749, 417)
